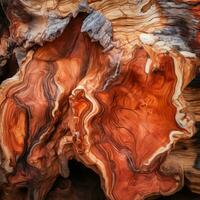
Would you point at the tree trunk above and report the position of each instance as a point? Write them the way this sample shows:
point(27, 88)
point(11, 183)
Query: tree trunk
point(104, 83)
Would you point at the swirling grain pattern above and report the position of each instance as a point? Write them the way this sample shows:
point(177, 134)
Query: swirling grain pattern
point(104, 87)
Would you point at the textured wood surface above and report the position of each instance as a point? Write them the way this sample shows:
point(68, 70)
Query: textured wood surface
point(103, 83)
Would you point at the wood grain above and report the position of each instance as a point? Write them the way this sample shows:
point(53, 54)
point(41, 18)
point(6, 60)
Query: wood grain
point(104, 83)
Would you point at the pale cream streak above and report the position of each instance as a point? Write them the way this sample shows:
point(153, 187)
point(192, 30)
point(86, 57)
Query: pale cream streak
point(61, 88)
point(129, 22)
point(182, 66)
point(8, 155)
point(162, 46)
point(126, 12)
point(87, 85)
point(178, 100)
point(186, 122)
point(188, 54)
point(56, 103)
point(173, 136)
point(44, 8)
point(148, 39)
point(148, 65)
point(17, 78)
point(67, 139)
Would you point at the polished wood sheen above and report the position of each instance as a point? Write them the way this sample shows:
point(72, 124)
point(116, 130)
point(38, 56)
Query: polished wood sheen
point(104, 83)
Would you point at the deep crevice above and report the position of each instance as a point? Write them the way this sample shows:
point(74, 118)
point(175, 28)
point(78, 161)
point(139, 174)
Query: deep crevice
point(82, 184)
point(9, 69)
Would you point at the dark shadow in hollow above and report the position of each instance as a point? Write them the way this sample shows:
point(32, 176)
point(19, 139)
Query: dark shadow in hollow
point(195, 83)
point(4, 23)
point(184, 194)
point(82, 184)
point(9, 69)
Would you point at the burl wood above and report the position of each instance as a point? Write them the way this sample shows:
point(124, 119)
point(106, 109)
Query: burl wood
point(104, 83)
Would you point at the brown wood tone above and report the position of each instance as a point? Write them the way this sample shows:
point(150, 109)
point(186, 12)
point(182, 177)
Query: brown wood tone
point(192, 97)
point(103, 83)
